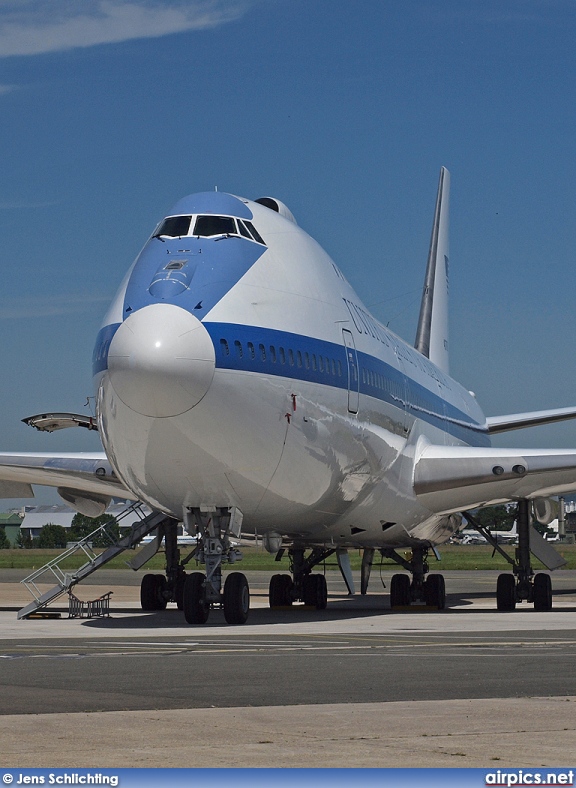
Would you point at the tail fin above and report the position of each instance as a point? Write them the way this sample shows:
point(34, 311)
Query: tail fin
point(432, 333)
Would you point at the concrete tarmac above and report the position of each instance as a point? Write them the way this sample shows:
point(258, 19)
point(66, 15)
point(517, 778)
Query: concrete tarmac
point(355, 685)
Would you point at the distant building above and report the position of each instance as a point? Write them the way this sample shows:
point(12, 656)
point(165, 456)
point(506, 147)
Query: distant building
point(36, 517)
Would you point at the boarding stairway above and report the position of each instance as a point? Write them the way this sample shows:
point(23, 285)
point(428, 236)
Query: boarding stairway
point(65, 580)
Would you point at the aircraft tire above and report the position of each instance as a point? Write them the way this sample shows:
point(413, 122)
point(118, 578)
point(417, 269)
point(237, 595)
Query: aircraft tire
point(236, 598)
point(321, 592)
point(435, 591)
point(179, 592)
point(309, 591)
point(542, 592)
point(161, 600)
point(196, 609)
point(506, 592)
point(399, 591)
point(151, 588)
point(315, 591)
point(279, 591)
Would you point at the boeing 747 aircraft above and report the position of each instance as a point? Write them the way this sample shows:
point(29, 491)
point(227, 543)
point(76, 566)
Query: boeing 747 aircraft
point(242, 387)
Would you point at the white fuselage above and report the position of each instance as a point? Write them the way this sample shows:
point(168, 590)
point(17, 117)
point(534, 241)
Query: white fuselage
point(255, 378)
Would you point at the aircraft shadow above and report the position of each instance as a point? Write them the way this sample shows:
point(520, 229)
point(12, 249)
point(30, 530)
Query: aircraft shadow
point(338, 610)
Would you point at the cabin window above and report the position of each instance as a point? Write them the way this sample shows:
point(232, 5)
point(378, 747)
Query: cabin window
point(306, 360)
point(291, 357)
point(238, 346)
point(314, 361)
point(272, 354)
point(262, 352)
point(251, 351)
point(207, 226)
point(298, 358)
point(224, 347)
point(339, 369)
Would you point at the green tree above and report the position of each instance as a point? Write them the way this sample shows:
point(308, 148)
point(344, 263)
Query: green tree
point(4, 541)
point(82, 526)
point(501, 518)
point(24, 540)
point(497, 518)
point(52, 536)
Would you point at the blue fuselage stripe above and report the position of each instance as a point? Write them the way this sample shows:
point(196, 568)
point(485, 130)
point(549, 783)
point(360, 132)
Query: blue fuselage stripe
point(280, 353)
point(284, 354)
point(102, 346)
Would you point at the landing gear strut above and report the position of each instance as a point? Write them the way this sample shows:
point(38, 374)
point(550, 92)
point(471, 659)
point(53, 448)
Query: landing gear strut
point(522, 585)
point(527, 586)
point(303, 586)
point(430, 590)
point(157, 590)
point(201, 592)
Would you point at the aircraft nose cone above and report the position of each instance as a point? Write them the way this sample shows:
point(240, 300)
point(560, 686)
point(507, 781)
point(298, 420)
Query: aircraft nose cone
point(161, 361)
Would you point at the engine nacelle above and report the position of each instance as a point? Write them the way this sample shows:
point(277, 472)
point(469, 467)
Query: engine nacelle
point(545, 510)
point(272, 542)
point(89, 504)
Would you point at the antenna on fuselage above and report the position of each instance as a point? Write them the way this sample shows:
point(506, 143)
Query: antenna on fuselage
point(432, 332)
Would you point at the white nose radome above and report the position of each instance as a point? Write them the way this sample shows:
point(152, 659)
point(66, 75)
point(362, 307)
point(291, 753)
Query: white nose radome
point(161, 361)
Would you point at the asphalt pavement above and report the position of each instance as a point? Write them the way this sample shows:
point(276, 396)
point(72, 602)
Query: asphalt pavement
point(355, 685)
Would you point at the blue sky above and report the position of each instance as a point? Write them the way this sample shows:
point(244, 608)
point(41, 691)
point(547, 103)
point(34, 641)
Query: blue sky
point(110, 111)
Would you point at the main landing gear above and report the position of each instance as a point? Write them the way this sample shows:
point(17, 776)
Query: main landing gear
point(303, 586)
point(430, 590)
point(157, 590)
point(201, 592)
point(522, 585)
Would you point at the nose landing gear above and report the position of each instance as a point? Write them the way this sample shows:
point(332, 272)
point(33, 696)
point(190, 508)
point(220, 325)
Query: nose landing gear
point(198, 592)
point(201, 591)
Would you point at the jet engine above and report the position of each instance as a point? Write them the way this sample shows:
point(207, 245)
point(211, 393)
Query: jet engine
point(545, 510)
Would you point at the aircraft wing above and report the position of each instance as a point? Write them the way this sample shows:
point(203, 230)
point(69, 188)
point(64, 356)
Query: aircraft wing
point(517, 421)
point(76, 473)
point(454, 478)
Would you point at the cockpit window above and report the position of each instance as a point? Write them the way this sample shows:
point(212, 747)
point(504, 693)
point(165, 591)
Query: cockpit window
point(174, 226)
point(207, 227)
point(214, 225)
point(255, 234)
point(243, 230)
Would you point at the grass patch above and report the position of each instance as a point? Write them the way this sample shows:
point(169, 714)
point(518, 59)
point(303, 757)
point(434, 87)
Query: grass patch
point(466, 557)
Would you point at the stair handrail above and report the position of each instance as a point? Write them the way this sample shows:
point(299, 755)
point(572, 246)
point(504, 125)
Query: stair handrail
point(64, 579)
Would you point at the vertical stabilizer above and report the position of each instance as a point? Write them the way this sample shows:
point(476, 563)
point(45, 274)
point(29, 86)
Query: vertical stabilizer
point(432, 334)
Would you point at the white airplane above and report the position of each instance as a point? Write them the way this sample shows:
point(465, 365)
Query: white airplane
point(472, 536)
point(243, 387)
